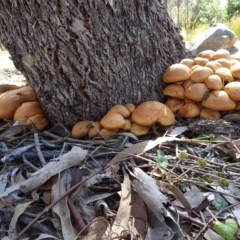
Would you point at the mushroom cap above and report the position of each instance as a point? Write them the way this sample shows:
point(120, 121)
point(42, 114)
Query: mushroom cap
point(225, 74)
point(206, 54)
point(11, 100)
point(224, 62)
point(214, 82)
point(39, 121)
point(27, 110)
point(221, 53)
point(130, 107)
point(7, 87)
point(188, 100)
point(188, 62)
point(94, 130)
point(237, 105)
point(196, 91)
point(237, 57)
point(81, 129)
point(233, 61)
point(127, 126)
point(195, 66)
point(199, 74)
point(187, 83)
point(112, 121)
point(201, 61)
point(174, 104)
point(235, 70)
point(120, 109)
point(214, 65)
point(176, 72)
point(233, 90)
point(209, 114)
point(189, 110)
point(174, 90)
point(139, 130)
point(150, 112)
point(219, 100)
point(107, 132)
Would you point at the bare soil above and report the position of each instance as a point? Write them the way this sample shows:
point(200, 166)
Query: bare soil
point(8, 73)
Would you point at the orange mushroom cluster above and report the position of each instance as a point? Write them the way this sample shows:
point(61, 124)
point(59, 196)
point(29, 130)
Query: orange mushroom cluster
point(126, 118)
point(204, 86)
point(20, 104)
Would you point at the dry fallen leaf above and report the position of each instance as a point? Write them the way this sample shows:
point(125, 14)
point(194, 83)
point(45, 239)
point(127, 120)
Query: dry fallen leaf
point(97, 229)
point(20, 208)
point(62, 210)
point(122, 218)
point(68, 160)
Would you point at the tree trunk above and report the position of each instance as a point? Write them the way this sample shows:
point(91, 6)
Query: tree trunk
point(83, 56)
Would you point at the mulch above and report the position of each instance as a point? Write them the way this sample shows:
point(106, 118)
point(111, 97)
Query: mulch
point(171, 183)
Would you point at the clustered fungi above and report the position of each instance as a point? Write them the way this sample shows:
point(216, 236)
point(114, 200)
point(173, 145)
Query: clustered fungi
point(121, 118)
point(204, 86)
point(20, 104)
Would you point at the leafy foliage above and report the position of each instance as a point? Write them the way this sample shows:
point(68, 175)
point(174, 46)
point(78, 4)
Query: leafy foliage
point(219, 202)
point(227, 230)
point(161, 159)
point(233, 8)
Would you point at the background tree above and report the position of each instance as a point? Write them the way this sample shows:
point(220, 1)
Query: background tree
point(81, 57)
point(233, 8)
point(189, 14)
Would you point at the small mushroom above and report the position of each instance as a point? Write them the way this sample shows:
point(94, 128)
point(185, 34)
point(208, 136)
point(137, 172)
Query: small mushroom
point(225, 74)
point(189, 110)
point(7, 87)
point(188, 62)
point(200, 61)
point(237, 57)
point(39, 121)
point(11, 100)
point(120, 109)
point(219, 100)
point(94, 130)
point(199, 74)
point(130, 107)
point(196, 91)
point(233, 61)
point(209, 114)
point(106, 133)
point(214, 65)
point(235, 70)
point(174, 104)
point(214, 82)
point(139, 130)
point(176, 72)
point(112, 121)
point(27, 110)
point(224, 62)
point(206, 54)
point(187, 83)
point(237, 105)
point(127, 126)
point(174, 90)
point(150, 112)
point(221, 53)
point(81, 129)
point(233, 90)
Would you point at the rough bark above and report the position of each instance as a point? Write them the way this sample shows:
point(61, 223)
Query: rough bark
point(82, 57)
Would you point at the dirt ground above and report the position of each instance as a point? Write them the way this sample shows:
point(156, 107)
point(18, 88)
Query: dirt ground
point(10, 75)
